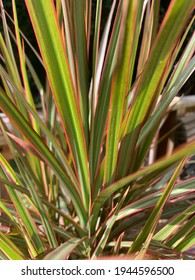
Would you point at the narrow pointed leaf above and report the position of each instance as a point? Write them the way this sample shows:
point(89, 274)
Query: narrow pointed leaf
point(171, 28)
point(180, 236)
point(108, 227)
point(101, 113)
point(162, 164)
point(9, 249)
point(33, 238)
point(131, 16)
point(174, 224)
point(166, 100)
point(155, 215)
point(62, 252)
point(81, 62)
point(51, 206)
point(13, 113)
point(188, 243)
point(48, 35)
point(44, 129)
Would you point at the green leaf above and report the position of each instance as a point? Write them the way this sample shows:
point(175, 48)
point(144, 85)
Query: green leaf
point(82, 179)
point(31, 233)
point(108, 227)
point(148, 131)
point(50, 41)
point(63, 251)
point(180, 236)
point(43, 127)
point(187, 243)
point(6, 211)
point(9, 249)
point(180, 191)
point(7, 48)
point(157, 166)
point(95, 81)
point(81, 62)
point(103, 92)
point(151, 223)
point(45, 153)
point(174, 224)
point(131, 17)
point(146, 92)
point(49, 205)
point(27, 89)
point(166, 100)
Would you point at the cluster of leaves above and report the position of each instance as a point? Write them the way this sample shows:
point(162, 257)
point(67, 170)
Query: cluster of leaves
point(83, 186)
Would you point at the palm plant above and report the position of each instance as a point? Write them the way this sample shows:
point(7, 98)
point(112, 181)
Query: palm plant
point(82, 186)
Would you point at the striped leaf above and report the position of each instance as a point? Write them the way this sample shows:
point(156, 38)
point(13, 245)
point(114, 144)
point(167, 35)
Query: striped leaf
point(44, 20)
point(170, 30)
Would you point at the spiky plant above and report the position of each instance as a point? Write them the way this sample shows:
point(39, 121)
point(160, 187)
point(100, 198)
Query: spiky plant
point(82, 186)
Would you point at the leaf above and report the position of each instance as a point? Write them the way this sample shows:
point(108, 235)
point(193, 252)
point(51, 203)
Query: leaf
point(7, 49)
point(43, 127)
point(49, 205)
point(8, 214)
point(95, 76)
point(100, 111)
point(31, 233)
point(180, 236)
point(50, 42)
point(9, 249)
point(108, 226)
point(187, 243)
point(146, 92)
point(180, 192)
point(174, 224)
point(80, 55)
point(63, 251)
point(131, 17)
point(27, 89)
point(152, 221)
point(25, 128)
point(23, 144)
point(166, 101)
point(157, 166)
point(100, 118)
